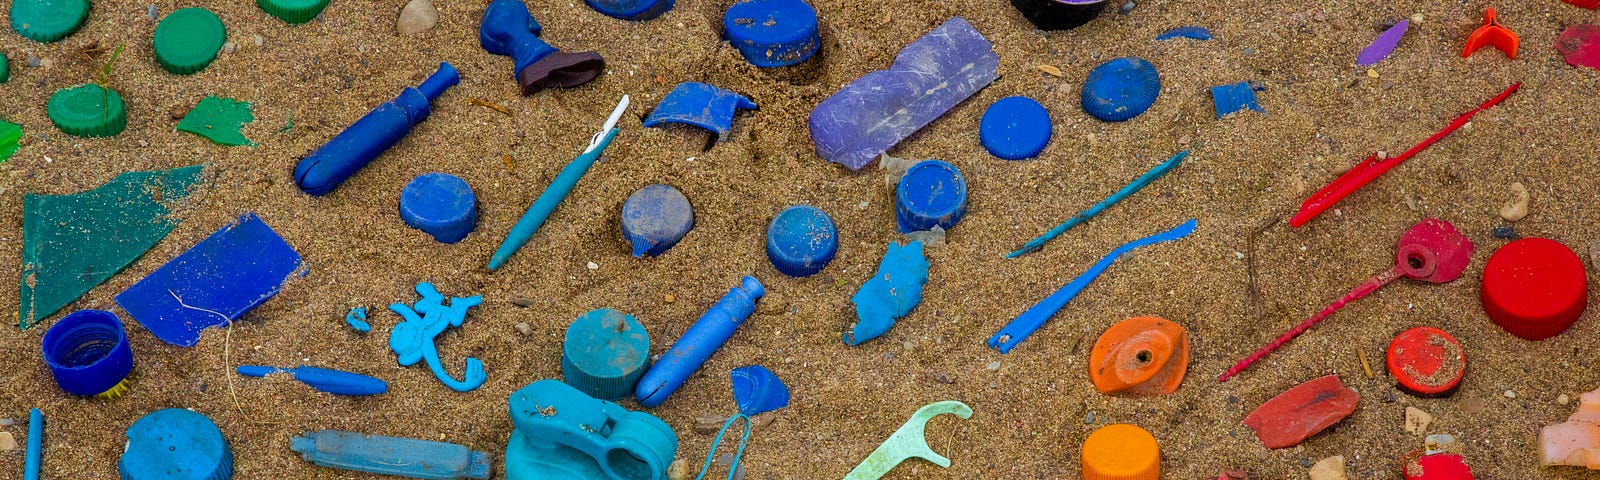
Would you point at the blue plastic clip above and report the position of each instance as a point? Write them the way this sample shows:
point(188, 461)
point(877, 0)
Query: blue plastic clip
point(412, 340)
point(360, 143)
point(324, 380)
point(698, 343)
point(508, 29)
point(402, 457)
point(891, 293)
point(357, 318)
point(701, 105)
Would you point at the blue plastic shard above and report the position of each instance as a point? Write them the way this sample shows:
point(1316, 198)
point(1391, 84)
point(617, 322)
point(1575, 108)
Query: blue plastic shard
point(890, 294)
point(402, 457)
point(357, 318)
point(929, 77)
point(1382, 46)
point(701, 105)
point(412, 340)
point(1190, 32)
point(214, 282)
point(1234, 97)
point(324, 380)
point(757, 390)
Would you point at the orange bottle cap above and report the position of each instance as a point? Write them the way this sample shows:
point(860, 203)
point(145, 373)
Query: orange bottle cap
point(1140, 356)
point(1121, 452)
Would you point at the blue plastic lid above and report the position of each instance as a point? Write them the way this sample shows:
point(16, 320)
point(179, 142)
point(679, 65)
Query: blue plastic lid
point(773, 33)
point(1015, 128)
point(88, 353)
point(801, 240)
point(175, 444)
point(655, 218)
point(1121, 89)
point(637, 10)
point(604, 354)
point(441, 205)
point(932, 193)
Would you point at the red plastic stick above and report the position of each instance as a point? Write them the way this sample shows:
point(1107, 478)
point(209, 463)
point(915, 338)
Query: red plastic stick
point(1369, 286)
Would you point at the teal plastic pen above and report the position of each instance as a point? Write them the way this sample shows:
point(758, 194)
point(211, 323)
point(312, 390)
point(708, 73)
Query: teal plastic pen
point(558, 189)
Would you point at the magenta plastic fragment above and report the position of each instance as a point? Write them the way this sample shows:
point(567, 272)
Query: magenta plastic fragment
point(1383, 45)
point(1580, 44)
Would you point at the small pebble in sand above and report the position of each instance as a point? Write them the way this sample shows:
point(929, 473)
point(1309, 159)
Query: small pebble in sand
point(1088, 418)
point(260, 40)
point(524, 328)
point(1331, 468)
point(1510, 394)
point(593, 266)
point(992, 366)
point(1128, 7)
point(34, 61)
point(669, 298)
point(1416, 18)
point(152, 12)
point(1051, 70)
point(1372, 73)
point(738, 473)
point(7, 442)
point(679, 470)
point(1248, 51)
point(941, 377)
point(522, 302)
point(6, 422)
point(1417, 420)
point(708, 424)
point(1594, 254)
point(418, 16)
point(1518, 206)
point(1504, 232)
point(229, 47)
point(1563, 399)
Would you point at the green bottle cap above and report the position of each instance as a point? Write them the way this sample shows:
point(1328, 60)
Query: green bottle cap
point(48, 20)
point(87, 111)
point(5, 68)
point(293, 11)
point(188, 40)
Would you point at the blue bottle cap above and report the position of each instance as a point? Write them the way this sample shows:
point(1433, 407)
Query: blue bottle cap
point(636, 10)
point(655, 218)
point(932, 193)
point(757, 390)
point(1121, 89)
point(175, 444)
point(88, 353)
point(773, 33)
point(441, 205)
point(604, 354)
point(1015, 128)
point(801, 240)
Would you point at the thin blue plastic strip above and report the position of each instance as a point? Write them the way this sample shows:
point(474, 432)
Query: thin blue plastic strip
point(1132, 188)
point(737, 454)
point(30, 468)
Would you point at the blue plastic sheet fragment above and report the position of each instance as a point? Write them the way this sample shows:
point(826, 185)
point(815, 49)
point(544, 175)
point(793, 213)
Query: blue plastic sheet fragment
point(701, 105)
point(891, 293)
point(1235, 97)
point(757, 390)
point(1190, 32)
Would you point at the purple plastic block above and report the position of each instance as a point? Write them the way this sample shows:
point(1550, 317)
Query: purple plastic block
point(929, 77)
point(1380, 48)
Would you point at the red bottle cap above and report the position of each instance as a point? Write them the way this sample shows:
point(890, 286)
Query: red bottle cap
point(1534, 288)
point(1427, 361)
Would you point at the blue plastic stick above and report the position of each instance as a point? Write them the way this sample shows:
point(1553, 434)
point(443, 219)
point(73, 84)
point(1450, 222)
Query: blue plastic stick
point(1138, 183)
point(30, 468)
point(698, 343)
point(324, 380)
point(403, 457)
point(360, 143)
point(1025, 324)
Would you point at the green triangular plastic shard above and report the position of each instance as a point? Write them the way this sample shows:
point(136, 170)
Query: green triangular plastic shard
point(219, 119)
point(10, 134)
point(71, 243)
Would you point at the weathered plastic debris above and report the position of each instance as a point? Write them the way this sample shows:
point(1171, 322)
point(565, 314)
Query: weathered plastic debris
point(175, 440)
point(932, 193)
point(1383, 45)
point(1140, 356)
point(217, 280)
point(88, 354)
point(1534, 288)
point(322, 379)
point(1491, 34)
point(508, 29)
point(1302, 411)
point(357, 319)
point(801, 240)
point(562, 433)
point(772, 33)
point(47, 21)
point(362, 142)
point(1015, 128)
point(1189, 32)
point(757, 390)
point(293, 12)
point(412, 340)
point(401, 457)
point(1579, 44)
point(1121, 452)
point(1441, 461)
point(636, 10)
point(701, 105)
point(188, 40)
point(70, 243)
point(1426, 362)
point(219, 120)
point(10, 135)
point(1589, 4)
point(1126, 191)
point(1234, 97)
point(655, 218)
point(89, 110)
point(891, 293)
point(441, 205)
point(1059, 14)
point(1121, 89)
point(929, 77)
point(697, 344)
point(5, 68)
point(1576, 442)
point(33, 457)
point(909, 442)
point(604, 353)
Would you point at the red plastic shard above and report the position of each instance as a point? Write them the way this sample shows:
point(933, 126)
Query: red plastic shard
point(1589, 4)
point(1494, 34)
point(1302, 411)
point(1580, 44)
point(1438, 466)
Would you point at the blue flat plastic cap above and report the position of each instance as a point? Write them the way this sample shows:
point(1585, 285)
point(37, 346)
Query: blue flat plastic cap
point(441, 205)
point(757, 390)
point(801, 240)
point(1015, 128)
point(655, 218)
point(931, 193)
point(1121, 89)
point(604, 353)
point(88, 352)
point(175, 444)
point(636, 10)
point(773, 33)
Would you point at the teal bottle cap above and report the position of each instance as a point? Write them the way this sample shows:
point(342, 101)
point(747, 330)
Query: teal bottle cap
point(47, 21)
point(87, 111)
point(604, 354)
point(293, 11)
point(175, 444)
point(188, 40)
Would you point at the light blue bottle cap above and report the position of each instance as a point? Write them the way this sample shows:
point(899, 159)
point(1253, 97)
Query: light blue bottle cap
point(1015, 128)
point(773, 33)
point(1121, 89)
point(636, 10)
point(932, 193)
point(801, 240)
point(655, 218)
point(175, 444)
point(441, 205)
point(604, 354)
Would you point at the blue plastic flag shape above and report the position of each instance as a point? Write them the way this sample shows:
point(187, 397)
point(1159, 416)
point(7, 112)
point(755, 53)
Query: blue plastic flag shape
point(757, 390)
point(890, 294)
point(412, 339)
point(701, 105)
point(1235, 97)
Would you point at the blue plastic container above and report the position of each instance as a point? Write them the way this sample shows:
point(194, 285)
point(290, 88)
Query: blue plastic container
point(931, 194)
point(344, 155)
point(772, 33)
point(1121, 89)
point(563, 434)
point(88, 353)
point(801, 240)
point(655, 218)
point(604, 354)
point(1015, 128)
point(441, 205)
point(636, 10)
point(175, 444)
point(698, 343)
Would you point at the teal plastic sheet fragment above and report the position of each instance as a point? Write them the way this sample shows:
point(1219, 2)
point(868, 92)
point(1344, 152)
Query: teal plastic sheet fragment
point(219, 119)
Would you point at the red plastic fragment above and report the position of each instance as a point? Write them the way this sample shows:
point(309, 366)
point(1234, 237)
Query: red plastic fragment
point(1439, 466)
point(1580, 44)
point(1492, 34)
point(1302, 411)
point(1589, 4)
point(1427, 361)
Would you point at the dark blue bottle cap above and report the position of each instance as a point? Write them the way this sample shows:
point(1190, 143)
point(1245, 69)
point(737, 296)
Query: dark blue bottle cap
point(773, 33)
point(1121, 89)
point(88, 353)
point(441, 205)
point(604, 354)
point(801, 240)
point(655, 218)
point(637, 10)
point(175, 444)
point(931, 194)
point(1015, 128)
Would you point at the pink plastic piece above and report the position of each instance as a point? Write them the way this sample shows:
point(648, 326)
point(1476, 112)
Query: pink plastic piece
point(1577, 442)
point(1580, 44)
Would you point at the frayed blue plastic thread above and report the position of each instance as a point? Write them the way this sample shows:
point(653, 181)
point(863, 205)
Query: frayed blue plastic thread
point(357, 318)
point(412, 340)
point(891, 293)
point(737, 455)
point(1190, 32)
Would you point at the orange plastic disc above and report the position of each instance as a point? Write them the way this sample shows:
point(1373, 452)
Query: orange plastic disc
point(1140, 356)
point(1121, 452)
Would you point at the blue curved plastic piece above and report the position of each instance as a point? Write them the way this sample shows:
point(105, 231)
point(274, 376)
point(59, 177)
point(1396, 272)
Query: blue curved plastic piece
point(1030, 320)
point(357, 319)
point(547, 202)
point(1121, 89)
point(1130, 189)
point(698, 343)
point(412, 340)
point(88, 352)
point(757, 390)
point(1015, 128)
point(801, 240)
point(175, 444)
point(440, 204)
point(772, 33)
point(336, 382)
point(210, 284)
point(1195, 33)
point(636, 10)
point(655, 218)
point(932, 193)
point(563, 434)
point(344, 155)
point(402, 457)
point(1235, 97)
point(35, 455)
point(701, 105)
point(891, 293)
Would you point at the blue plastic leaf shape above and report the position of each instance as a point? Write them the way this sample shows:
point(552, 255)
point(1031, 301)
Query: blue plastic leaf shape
point(1234, 97)
point(1195, 33)
point(890, 294)
point(214, 282)
point(701, 105)
point(412, 339)
point(1383, 45)
point(757, 390)
point(929, 77)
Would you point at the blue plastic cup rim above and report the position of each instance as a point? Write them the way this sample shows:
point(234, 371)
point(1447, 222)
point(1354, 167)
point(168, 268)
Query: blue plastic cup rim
point(88, 350)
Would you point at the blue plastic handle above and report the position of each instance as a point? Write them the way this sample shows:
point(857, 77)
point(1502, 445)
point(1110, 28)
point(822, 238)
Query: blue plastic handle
point(548, 201)
point(31, 463)
point(339, 159)
point(696, 345)
point(324, 380)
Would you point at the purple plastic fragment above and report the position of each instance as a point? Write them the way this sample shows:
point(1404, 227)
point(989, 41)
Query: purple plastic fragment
point(929, 77)
point(1380, 48)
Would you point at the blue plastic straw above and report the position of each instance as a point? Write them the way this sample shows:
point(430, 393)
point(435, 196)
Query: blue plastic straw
point(1132, 188)
point(30, 468)
point(733, 468)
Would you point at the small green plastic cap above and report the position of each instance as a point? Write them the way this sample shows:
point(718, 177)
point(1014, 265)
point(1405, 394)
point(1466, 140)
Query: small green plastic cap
point(293, 11)
point(87, 111)
point(47, 21)
point(188, 40)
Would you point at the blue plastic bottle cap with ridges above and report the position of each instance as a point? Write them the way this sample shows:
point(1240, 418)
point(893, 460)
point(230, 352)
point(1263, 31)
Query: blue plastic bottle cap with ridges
point(1121, 89)
point(175, 444)
point(1015, 128)
point(931, 193)
point(441, 205)
point(604, 354)
point(636, 10)
point(655, 218)
point(801, 240)
point(772, 33)
point(88, 352)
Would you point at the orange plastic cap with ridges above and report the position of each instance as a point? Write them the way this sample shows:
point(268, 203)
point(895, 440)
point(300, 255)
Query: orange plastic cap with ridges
point(1121, 452)
point(1140, 356)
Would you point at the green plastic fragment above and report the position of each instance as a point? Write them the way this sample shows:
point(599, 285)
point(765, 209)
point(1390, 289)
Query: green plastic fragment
point(47, 21)
point(71, 243)
point(219, 119)
point(5, 69)
point(10, 134)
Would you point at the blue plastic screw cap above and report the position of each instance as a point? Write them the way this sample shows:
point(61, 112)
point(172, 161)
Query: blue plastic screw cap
point(175, 444)
point(604, 354)
point(801, 240)
point(655, 218)
point(773, 33)
point(636, 10)
point(440, 204)
point(1121, 89)
point(931, 194)
point(1015, 128)
point(88, 353)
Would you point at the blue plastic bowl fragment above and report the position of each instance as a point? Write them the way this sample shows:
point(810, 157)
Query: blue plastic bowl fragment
point(757, 390)
point(1121, 89)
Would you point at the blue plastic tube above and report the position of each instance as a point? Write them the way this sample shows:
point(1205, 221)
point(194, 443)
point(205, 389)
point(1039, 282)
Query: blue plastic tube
point(548, 201)
point(696, 345)
point(355, 147)
point(404, 457)
point(30, 467)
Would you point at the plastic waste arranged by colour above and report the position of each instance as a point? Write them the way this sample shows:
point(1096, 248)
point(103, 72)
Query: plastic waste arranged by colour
point(891, 293)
